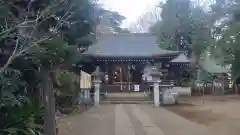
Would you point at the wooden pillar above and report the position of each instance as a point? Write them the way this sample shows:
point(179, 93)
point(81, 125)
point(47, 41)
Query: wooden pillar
point(129, 78)
point(121, 76)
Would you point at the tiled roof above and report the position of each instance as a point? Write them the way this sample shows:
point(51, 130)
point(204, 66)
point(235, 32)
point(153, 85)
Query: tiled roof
point(182, 58)
point(128, 45)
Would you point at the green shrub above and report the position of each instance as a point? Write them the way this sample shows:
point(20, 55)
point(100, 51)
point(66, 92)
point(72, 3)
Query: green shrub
point(24, 119)
point(67, 90)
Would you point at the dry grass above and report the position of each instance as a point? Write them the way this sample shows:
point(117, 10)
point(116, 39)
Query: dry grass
point(216, 112)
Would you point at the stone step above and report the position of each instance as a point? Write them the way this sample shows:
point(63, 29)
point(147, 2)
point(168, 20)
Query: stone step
point(126, 102)
point(126, 94)
point(126, 99)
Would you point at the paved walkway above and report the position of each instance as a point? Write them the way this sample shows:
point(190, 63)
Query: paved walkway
point(130, 120)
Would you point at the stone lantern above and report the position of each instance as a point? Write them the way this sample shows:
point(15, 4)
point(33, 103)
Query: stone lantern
point(97, 82)
point(155, 75)
point(152, 74)
point(153, 78)
point(97, 74)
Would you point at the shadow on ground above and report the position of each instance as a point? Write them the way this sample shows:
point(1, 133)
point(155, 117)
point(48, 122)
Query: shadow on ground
point(190, 112)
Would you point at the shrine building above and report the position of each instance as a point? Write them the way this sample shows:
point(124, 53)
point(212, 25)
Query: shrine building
point(123, 59)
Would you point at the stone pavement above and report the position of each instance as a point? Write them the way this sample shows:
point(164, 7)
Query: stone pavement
point(130, 119)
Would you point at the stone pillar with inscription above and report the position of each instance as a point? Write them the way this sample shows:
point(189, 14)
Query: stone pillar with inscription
point(97, 85)
point(156, 93)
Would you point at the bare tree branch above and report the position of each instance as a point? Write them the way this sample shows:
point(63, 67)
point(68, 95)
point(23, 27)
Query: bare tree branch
point(11, 57)
point(29, 42)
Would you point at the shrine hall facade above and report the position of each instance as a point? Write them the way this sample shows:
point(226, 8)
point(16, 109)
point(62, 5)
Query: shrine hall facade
point(124, 58)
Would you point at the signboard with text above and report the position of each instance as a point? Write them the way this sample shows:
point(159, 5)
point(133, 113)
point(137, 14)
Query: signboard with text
point(85, 80)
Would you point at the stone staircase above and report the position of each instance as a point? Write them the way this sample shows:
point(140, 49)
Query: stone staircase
point(127, 98)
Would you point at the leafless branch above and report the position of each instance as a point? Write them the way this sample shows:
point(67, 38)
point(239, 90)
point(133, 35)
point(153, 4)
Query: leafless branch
point(34, 29)
point(32, 24)
point(43, 14)
point(11, 57)
point(31, 46)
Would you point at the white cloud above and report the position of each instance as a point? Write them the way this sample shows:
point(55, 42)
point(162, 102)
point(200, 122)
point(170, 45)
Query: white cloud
point(131, 9)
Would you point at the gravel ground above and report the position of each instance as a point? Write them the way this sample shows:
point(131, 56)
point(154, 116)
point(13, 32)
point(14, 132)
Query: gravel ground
point(139, 119)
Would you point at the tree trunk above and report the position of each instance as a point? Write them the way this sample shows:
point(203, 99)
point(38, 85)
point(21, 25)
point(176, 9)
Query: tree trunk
point(49, 105)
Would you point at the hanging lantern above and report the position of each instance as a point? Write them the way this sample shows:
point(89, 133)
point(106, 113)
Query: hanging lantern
point(133, 67)
point(106, 77)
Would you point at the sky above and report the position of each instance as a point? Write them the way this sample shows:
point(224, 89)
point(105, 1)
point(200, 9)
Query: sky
point(131, 9)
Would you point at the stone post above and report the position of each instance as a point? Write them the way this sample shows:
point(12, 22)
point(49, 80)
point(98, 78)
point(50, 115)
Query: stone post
point(85, 94)
point(156, 93)
point(80, 95)
point(97, 84)
point(89, 94)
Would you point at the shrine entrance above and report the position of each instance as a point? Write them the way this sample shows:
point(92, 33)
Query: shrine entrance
point(124, 77)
